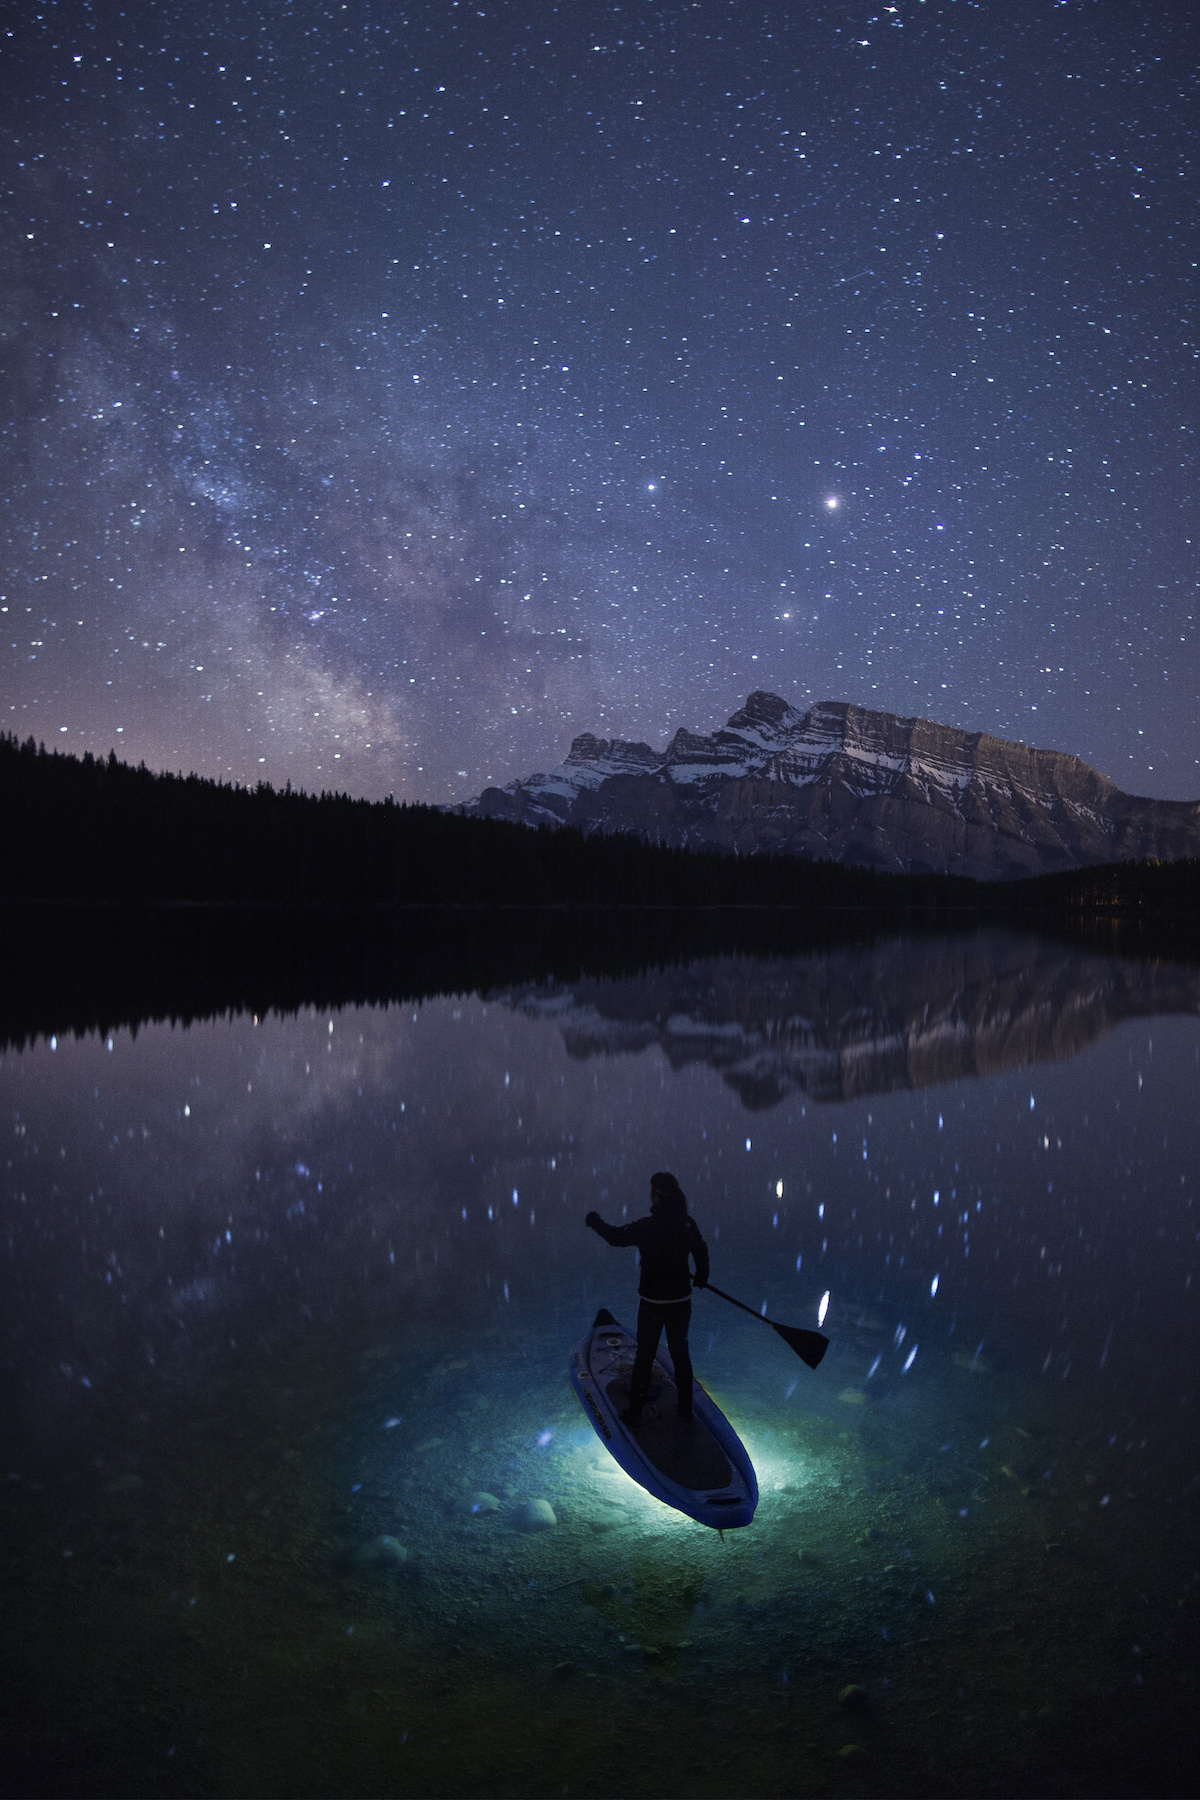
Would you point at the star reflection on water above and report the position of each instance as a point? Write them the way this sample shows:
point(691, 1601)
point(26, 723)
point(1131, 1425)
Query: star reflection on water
point(288, 1369)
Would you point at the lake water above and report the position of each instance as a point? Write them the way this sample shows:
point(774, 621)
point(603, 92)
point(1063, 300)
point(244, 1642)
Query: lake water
point(287, 1307)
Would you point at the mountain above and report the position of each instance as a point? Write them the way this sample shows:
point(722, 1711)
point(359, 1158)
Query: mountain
point(842, 1023)
point(857, 786)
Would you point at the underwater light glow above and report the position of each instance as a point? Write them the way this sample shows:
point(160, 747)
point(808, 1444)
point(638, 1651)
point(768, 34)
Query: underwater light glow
point(645, 1512)
point(823, 1308)
point(779, 1468)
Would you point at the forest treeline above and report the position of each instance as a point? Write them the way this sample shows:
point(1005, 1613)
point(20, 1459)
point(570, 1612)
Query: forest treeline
point(94, 829)
point(98, 830)
point(130, 896)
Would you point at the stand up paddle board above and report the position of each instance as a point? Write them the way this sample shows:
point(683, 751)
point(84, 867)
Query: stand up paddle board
point(699, 1466)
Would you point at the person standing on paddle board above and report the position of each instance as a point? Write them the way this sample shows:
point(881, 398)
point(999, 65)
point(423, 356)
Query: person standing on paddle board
point(664, 1240)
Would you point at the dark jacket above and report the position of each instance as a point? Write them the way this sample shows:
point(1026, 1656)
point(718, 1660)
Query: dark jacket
point(663, 1253)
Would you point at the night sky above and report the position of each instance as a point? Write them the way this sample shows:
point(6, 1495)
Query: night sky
point(393, 392)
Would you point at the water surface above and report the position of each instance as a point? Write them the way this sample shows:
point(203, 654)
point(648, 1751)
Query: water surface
point(287, 1306)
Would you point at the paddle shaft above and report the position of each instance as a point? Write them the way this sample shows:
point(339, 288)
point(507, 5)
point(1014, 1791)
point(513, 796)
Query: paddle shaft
point(754, 1315)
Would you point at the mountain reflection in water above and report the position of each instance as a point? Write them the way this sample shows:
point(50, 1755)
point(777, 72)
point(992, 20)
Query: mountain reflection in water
point(287, 1302)
point(841, 1024)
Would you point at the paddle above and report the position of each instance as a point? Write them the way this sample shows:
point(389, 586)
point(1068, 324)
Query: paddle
point(810, 1346)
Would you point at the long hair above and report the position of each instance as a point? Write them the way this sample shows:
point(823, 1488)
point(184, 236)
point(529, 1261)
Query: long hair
point(671, 1200)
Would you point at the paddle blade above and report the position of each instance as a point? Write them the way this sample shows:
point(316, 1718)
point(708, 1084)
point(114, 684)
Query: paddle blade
point(810, 1346)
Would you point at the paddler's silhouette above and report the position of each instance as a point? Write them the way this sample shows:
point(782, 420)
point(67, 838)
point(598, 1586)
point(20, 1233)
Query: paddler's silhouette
point(664, 1238)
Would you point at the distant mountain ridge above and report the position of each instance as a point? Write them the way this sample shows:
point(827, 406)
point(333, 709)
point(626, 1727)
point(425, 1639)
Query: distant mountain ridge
point(857, 786)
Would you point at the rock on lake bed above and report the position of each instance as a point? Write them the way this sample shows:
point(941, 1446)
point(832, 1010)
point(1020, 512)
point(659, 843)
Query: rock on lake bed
point(535, 1515)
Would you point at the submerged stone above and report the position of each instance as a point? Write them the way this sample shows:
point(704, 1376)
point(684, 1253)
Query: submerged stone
point(853, 1696)
point(386, 1552)
point(535, 1515)
point(482, 1502)
point(606, 1515)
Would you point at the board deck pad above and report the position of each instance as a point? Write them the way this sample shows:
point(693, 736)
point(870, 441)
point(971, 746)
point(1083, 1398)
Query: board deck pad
point(699, 1465)
point(684, 1449)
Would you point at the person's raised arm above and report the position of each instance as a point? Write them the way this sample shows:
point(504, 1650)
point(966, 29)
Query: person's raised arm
point(617, 1235)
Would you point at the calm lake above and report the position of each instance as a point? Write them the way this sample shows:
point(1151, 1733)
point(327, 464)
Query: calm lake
point(287, 1305)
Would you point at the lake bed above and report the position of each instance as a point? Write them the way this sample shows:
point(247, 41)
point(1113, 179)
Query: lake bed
point(289, 1302)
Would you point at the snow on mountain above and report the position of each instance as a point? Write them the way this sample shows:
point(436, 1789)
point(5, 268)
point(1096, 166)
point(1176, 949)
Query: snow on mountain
point(858, 786)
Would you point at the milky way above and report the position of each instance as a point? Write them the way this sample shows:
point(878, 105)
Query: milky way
point(394, 391)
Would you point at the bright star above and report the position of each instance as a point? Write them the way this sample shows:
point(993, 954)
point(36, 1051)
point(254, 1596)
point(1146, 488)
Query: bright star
point(831, 503)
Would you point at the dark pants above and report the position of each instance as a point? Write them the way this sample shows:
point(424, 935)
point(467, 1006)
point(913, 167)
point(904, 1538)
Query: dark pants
point(651, 1322)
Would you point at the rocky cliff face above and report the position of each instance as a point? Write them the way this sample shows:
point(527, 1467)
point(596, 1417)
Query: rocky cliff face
point(857, 786)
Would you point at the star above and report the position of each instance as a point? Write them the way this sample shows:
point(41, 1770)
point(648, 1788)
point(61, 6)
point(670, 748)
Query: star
point(427, 403)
